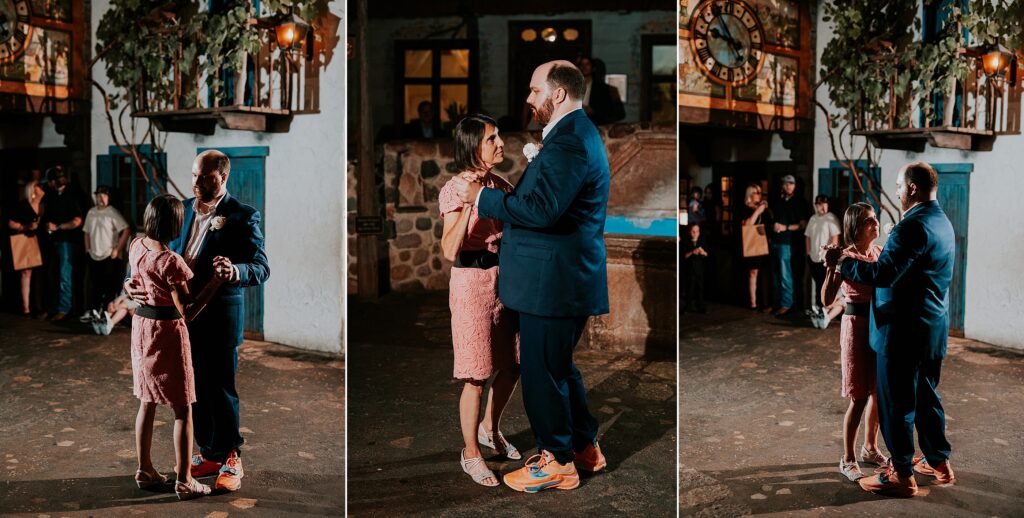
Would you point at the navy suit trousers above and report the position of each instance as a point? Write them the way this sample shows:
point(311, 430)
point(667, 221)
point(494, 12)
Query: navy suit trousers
point(215, 419)
point(908, 398)
point(553, 391)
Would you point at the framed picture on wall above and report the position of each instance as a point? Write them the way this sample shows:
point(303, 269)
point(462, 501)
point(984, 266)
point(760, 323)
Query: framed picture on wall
point(619, 82)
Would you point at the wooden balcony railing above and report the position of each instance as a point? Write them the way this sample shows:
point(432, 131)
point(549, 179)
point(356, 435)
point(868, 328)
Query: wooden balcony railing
point(276, 86)
point(973, 113)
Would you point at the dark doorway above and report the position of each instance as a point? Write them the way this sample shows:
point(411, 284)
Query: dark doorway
point(533, 42)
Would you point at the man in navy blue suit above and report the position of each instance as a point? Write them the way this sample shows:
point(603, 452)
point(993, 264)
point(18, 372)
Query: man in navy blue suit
point(220, 236)
point(909, 326)
point(554, 274)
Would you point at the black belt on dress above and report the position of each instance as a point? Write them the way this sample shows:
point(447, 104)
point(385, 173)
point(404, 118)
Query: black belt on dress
point(482, 259)
point(857, 309)
point(158, 312)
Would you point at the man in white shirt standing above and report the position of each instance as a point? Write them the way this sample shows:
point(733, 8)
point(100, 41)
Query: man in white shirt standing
point(822, 229)
point(106, 233)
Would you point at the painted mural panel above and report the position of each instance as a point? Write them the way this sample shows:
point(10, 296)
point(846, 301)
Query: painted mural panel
point(44, 68)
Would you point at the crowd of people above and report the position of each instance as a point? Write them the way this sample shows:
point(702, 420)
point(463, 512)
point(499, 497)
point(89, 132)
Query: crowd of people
point(52, 236)
point(768, 277)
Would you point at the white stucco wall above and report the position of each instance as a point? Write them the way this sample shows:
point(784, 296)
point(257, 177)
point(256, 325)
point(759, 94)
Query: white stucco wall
point(304, 300)
point(995, 240)
point(615, 39)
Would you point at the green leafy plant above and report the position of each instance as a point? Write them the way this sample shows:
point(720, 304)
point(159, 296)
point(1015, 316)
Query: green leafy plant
point(878, 70)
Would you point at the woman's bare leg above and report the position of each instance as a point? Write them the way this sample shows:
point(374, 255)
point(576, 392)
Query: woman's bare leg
point(144, 436)
point(851, 422)
point(871, 425)
point(469, 419)
point(497, 398)
point(26, 288)
point(752, 287)
point(183, 443)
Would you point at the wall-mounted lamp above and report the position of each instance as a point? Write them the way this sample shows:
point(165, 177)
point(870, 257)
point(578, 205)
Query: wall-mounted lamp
point(291, 32)
point(996, 60)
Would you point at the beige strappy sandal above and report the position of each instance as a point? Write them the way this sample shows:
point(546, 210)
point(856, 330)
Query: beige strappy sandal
point(492, 440)
point(194, 489)
point(145, 480)
point(477, 468)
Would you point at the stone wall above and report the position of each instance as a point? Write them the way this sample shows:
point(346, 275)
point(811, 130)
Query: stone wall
point(642, 161)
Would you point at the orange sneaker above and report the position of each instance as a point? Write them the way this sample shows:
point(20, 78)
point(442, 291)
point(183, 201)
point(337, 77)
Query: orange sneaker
point(543, 473)
point(230, 478)
point(590, 459)
point(889, 483)
point(943, 473)
point(202, 467)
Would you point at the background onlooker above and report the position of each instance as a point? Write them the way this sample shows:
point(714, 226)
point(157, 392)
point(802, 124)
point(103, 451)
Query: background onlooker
point(25, 219)
point(695, 207)
point(822, 229)
point(695, 257)
point(790, 214)
point(601, 101)
point(754, 211)
point(106, 233)
point(63, 217)
point(423, 127)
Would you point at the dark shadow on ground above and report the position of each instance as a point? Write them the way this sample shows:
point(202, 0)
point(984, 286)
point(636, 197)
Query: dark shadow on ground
point(403, 456)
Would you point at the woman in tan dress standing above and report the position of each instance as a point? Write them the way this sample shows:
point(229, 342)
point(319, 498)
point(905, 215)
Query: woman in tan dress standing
point(484, 333)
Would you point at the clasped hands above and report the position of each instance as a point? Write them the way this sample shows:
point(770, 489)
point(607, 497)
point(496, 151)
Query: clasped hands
point(833, 254)
point(223, 271)
point(467, 185)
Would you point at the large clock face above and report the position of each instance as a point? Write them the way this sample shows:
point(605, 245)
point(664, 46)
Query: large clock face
point(14, 29)
point(726, 39)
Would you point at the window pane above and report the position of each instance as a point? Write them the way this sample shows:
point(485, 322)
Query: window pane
point(663, 105)
point(414, 95)
point(417, 63)
point(455, 63)
point(663, 60)
point(454, 102)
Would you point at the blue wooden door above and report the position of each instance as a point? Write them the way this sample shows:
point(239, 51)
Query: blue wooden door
point(838, 184)
point(954, 196)
point(247, 183)
point(131, 191)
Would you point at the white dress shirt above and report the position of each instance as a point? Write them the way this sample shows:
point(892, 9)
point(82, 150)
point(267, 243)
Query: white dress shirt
point(201, 224)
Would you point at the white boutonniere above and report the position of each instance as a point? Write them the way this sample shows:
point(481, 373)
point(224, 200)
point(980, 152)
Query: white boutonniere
point(531, 150)
point(218, 222)
point(888, 228)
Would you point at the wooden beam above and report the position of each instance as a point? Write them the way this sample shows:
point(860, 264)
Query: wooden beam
point(367, 245)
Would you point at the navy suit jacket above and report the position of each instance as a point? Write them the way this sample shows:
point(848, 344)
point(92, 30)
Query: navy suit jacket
point(910, 308)
point(223, 319)
point(552, 247)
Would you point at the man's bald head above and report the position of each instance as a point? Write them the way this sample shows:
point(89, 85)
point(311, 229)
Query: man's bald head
point(212, 160)
point(563, 74)
point(210, 175)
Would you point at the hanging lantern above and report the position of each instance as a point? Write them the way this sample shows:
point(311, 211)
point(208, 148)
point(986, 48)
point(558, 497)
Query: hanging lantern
point(996, 60)
point(291, 32)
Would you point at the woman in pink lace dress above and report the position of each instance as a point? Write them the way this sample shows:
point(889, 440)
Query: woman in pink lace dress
point(484, 332)
point(860, 230)
point(161, 353)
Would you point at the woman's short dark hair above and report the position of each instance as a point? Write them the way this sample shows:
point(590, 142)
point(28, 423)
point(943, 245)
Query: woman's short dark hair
point(851, 221)
point(163, 218)
point(821, 198)
point(469, 134)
